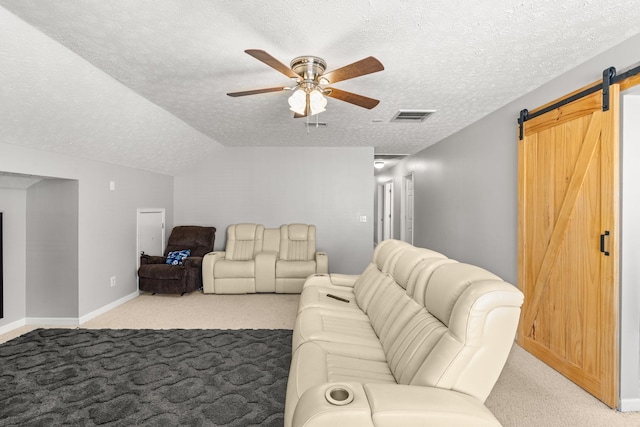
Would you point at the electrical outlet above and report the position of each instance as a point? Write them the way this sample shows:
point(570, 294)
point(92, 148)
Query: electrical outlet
point(363, 218)
point(113, 281)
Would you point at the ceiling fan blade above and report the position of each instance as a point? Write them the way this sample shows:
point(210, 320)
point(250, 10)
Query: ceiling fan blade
point(298, 116)
point(359, 68)
point(256, 91)
point(352, 98)
point(272, 62)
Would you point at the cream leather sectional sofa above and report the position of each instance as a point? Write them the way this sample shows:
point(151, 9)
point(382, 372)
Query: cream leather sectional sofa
point(417, 339)
point(259, 259)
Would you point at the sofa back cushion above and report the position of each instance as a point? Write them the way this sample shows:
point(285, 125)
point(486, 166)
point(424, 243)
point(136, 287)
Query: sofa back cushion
point(406, 266)
point(297, 242)
point(462, 335)
point(244, 241)
point(391, 308)
point(271, 242)
point(447, 283)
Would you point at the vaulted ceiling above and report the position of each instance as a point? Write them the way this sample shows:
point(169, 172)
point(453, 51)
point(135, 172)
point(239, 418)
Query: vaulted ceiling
point(463, 59)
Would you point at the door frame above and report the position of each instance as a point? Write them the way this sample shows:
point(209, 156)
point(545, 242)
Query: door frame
point(387, 220)
point(379, 212)
point(403, 207)
point(143, 211)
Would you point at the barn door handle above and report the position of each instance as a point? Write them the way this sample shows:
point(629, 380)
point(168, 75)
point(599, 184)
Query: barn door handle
point(602, 236)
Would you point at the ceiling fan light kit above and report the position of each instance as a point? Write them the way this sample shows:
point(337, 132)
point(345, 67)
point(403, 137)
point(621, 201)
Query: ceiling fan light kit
point(309, 98)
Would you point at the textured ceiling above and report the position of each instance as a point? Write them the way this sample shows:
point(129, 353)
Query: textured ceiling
point(464, 59)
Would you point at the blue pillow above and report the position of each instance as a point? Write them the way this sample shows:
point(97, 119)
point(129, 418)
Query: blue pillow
point(176, 258)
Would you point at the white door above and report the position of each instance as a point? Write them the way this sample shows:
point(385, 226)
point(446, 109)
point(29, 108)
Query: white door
point(407, 208)
point(150, 232)
point(387, 214)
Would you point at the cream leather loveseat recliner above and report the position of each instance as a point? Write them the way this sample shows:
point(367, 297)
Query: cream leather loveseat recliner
point(416, 340)
point(259, 259)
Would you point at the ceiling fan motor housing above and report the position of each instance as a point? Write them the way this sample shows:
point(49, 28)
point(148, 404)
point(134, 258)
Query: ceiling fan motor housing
point(310, 68)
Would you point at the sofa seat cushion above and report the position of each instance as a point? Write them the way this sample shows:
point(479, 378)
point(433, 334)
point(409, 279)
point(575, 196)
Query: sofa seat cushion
point(162, 271)
point(295, 269)
point(234, 269)
point(320, 324)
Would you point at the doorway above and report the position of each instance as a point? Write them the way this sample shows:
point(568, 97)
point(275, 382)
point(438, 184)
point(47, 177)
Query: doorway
point(406, 209)
point(384, 211)
point(387, 210)
point(150, 232)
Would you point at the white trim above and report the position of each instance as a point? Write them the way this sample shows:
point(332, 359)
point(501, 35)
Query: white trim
point(148, 210)
point(66, 321)
point(11, 326)
point(107, 307)
point(403, 207)
point(379, 213)
point(629, 405)
point(52, 321)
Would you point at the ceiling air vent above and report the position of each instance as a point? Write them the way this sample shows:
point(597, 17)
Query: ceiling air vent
point(408, 116)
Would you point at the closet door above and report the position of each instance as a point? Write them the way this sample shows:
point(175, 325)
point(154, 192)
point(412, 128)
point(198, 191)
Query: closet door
point(568, 182)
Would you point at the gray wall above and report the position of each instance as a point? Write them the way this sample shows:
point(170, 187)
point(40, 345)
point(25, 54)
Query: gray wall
point(52, 249)
point(13, 203)
point(106, 219)
point(466, 185)
point(328, 187)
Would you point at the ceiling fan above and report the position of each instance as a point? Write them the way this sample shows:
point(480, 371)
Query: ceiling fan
point(309, 92)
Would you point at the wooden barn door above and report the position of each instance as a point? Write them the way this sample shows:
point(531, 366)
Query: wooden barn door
point(568, 241)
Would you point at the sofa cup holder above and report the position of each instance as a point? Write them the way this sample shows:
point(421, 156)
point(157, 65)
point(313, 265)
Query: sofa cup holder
point(339, 395)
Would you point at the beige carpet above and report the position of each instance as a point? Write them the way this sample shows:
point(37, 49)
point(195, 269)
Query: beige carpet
point(527, 394)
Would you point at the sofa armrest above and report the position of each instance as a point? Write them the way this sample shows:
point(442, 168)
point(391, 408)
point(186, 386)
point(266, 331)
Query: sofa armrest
point(389, 405)
point(193, 262)
point(266, 271)
point(151, 259)
point(346, 280)
point(406, 405)
point(208, 262)
point(322, 263)
point(314, 410)
point(335, 279)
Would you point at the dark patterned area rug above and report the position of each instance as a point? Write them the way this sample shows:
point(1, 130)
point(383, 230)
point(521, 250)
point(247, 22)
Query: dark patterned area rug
point(52, 377)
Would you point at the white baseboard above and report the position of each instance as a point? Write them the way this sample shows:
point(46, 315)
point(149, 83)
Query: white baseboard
point(629, 405)
point(107, 307)
point(65, 321)
point(11, 326)
point(52, 321)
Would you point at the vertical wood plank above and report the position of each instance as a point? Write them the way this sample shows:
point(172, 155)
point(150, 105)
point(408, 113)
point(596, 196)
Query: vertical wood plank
point(568, 195)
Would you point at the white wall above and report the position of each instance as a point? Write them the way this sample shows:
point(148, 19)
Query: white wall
point(630, 267)
point(328, 187)
point(106, 219)
point(13, 204)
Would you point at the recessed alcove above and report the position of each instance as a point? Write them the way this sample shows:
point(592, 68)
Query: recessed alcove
point(40, 224)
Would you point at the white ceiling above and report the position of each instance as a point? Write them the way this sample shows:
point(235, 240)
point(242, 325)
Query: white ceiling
point(464, 59)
